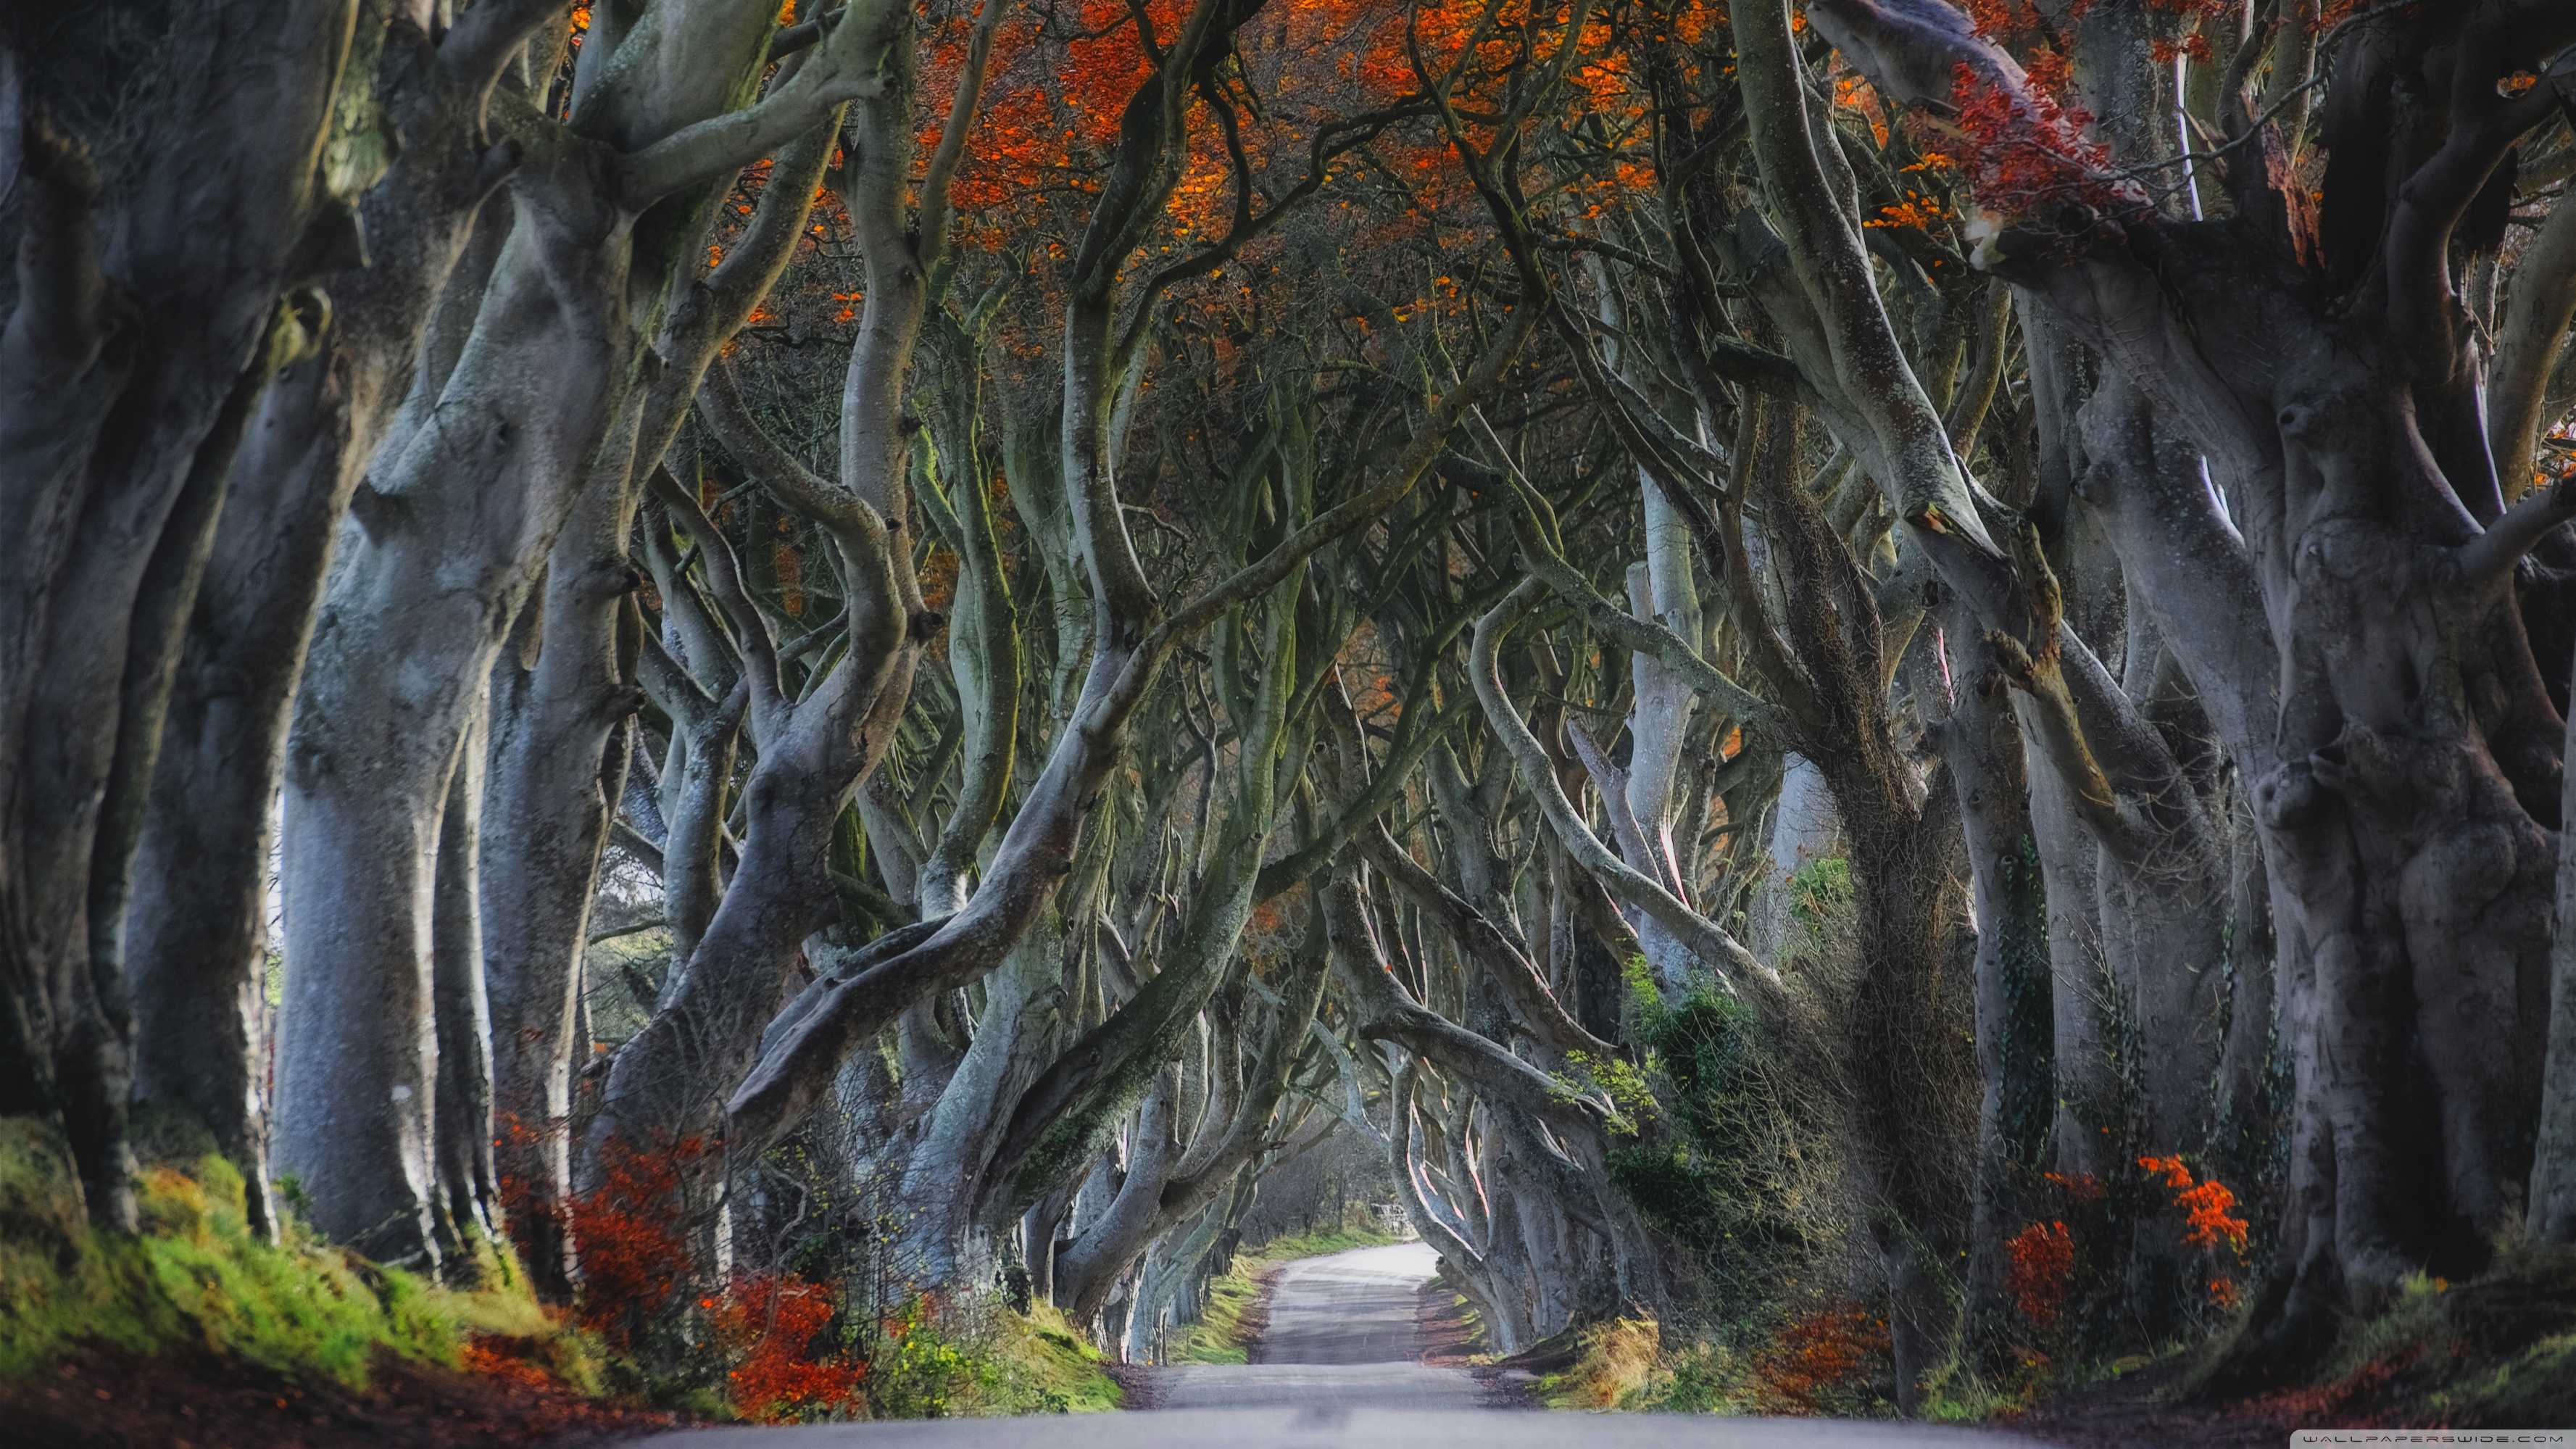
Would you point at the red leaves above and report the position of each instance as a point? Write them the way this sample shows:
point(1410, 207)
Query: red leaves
point(2023, 153)
point(628, 1236)
point(508, 1359)
point(634, 1258)
point(2204, 1205)
point(1821, 1352)
point(2042, 1266)
point(771, 1326)
point(2080, 1188)
point(2003, 19)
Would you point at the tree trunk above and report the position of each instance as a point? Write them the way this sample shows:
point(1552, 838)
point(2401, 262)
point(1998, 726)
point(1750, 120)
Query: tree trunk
point(557, 768)
point(462, 1122)
point(197, 934)
point(146, 318)
point(2553, 1168)
point(443, 557)
point(1015, 1039)
point(1982, 747)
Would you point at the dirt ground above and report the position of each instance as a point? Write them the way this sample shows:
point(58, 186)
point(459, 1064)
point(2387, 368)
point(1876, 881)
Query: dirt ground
point(1448, 1340)
point(102, 1399)
point(2135, 1410)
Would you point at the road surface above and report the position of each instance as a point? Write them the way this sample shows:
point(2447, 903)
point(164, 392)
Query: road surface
point(1341, 1334)
point(1338, 1370)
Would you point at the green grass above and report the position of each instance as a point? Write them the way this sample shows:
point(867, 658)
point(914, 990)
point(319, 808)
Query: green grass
point(1036, 1364)
point(1220, 1336)
point(195, 1278)
point(2498, 1352)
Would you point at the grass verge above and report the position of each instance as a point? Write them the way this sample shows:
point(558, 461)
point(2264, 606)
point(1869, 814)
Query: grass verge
point(196, 1280)
point(1222, 1334)
point(1614, 1365)
point(1033, 1364)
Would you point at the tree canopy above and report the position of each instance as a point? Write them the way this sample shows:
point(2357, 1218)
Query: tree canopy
point(1794, 655)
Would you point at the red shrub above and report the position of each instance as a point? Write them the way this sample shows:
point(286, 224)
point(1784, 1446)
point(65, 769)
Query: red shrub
point(2204, 1205)
point(633, 1254)
point(1821, 1353)
point(770, 1325)
point(2043, 1264)
point(506, 1359)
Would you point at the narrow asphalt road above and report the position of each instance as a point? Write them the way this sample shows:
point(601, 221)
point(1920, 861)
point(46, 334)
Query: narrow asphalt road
point(1339, 1370)
point(1341, 1335)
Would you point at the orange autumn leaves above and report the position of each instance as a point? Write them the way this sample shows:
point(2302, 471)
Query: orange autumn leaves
point(1060, 81)
point(787, 1364)
point(2206, 1219)
point(2041, 1266)
point(774, 1331)
point(628, 1235)
point(2204, 1204)
point(1817, 1358)
point(2041, 1258)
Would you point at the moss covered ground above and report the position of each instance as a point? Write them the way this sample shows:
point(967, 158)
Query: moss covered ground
point(196, 1279)
point(158, 1334)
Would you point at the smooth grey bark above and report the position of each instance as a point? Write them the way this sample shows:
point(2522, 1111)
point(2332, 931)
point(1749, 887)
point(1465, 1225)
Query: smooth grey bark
point(558, 702)
point(2553, 1166)
point(197, 932)
point(146, 312)
point(706, 729)
point(1709, 943)
point(448, 536)
point(1978, 739)
point(665, 1092)
point(1060, 1123)
point(557, 761)
point(439, 561)
point(969, 1095)
point(2531, 345)
point(2413, 766)
point(1087, 1268)
point(1015, 1039)
point(468, 1186)
point(1805, 829)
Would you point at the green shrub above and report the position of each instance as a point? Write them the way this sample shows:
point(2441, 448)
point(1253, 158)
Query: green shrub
point(1733, 1175)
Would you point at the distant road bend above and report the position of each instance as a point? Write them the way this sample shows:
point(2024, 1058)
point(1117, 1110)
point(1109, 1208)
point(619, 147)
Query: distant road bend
point(1341, 1334)
point(1339, 1369)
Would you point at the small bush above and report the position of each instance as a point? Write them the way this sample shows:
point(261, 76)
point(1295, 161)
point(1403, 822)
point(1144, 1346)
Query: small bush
point(1614, 1368)
point(1736, 1172)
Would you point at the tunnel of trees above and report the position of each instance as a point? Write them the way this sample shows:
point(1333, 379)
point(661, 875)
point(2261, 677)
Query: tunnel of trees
point(1791, 654)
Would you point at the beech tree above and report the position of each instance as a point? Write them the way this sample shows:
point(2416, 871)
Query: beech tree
point(146, 317)
point(1769, 648)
